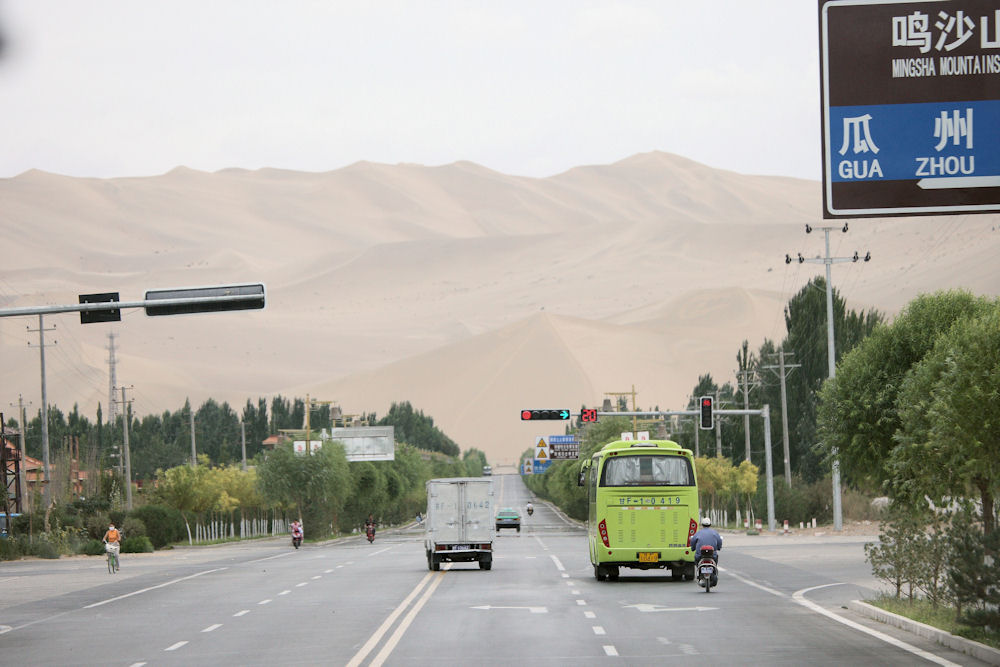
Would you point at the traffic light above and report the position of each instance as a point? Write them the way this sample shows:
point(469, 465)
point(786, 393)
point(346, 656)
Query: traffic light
point(537, 415)
point(706, 412)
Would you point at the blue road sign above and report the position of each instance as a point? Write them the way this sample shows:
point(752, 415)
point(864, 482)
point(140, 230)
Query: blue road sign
point(911, 107)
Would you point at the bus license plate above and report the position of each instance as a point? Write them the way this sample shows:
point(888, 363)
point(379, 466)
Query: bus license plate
point(649, 556)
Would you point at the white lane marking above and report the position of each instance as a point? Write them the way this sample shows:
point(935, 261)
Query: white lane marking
point(799, 596)
point(540, 543)
point(137, 664)
point(390, 644)
point(598, 630)
point(304, 583)
point(610, 651)
point(264, 602)
point(260, 560)
point(564, 574)
point(327, 571)
point(752, 583)
point(646, 608)
point(559, 565)
point(318, 576)
point(574, 592)
point(5, 628)
point(151, 588)
point(241, 613)
point(213, 627)
point(380, 551)
point(377, 637)
point(284, 592)
point(582, 603)
point(687, 649)
point(175, 646)
point(533, 610)
point(589, 614)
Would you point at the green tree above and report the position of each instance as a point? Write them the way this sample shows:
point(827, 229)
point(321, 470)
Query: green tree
point(316, 487)
point(858, 411)
point(949, 410)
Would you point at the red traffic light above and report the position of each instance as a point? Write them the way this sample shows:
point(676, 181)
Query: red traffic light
point(525, 414)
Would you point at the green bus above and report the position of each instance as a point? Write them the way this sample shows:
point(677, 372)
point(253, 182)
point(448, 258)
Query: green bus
point(643, 507)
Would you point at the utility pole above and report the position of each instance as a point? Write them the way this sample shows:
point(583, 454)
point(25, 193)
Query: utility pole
point(194, 455)
point(784, 408)
point(22, 475)
point(718, 427)
point(45, 406)
point(838, 517)
point(127, 454)
point(112, 378)
point(243, 443)
point(746, 386)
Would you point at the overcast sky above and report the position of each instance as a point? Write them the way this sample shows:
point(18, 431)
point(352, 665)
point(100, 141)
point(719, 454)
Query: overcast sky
point(126, 88)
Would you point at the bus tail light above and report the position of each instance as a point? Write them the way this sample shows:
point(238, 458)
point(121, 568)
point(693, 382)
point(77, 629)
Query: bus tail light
point(603, 527)
point(692, 529)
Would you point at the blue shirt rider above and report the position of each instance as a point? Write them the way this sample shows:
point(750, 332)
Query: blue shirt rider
point(707, 536)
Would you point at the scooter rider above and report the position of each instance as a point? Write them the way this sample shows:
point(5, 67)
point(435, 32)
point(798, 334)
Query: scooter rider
point(530, 508)
point(707, 536)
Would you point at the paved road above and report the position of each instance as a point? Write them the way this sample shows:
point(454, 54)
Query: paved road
point(353, 603)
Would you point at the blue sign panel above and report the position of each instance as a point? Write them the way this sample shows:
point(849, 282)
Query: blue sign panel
point(562, 439)
point(541, 466)
point(911, 107)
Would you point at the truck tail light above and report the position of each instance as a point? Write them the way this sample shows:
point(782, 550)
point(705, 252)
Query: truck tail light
point(603, 527)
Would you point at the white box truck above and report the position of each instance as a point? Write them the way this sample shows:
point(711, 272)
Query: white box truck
point(459, 521)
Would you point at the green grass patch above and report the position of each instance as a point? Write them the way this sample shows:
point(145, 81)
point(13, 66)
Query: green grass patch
point(942, 617)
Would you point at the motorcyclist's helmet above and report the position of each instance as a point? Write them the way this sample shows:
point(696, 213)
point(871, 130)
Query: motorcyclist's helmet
point(706, 522)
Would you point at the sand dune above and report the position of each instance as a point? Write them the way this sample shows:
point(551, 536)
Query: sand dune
point(471, 293)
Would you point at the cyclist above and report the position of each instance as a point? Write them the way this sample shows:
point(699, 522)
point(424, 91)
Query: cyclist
point(112, 541)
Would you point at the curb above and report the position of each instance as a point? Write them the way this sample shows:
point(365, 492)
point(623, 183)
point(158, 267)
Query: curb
point(979, 651)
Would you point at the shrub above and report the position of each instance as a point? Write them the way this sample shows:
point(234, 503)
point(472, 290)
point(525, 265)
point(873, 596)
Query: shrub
point(10, 549)
point(93, 548)
point(134, 527)
point(43, 548)
point(137, 545)
point(163, 524)
point(97, 525)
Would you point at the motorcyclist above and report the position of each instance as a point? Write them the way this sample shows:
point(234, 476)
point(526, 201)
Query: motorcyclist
point(297, 532)
point(530, 508)
point(370, 522)
point(707, 536)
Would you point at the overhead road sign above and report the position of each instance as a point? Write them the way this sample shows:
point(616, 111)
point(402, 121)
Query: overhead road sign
point(205, 299)
point(910, 107)
point(537, 415)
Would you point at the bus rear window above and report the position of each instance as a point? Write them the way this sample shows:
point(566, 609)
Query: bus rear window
point(647, 471)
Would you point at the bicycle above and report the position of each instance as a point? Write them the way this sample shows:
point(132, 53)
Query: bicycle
point(112, 550)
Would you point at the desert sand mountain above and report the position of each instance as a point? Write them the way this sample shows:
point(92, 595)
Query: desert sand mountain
point(468, 292)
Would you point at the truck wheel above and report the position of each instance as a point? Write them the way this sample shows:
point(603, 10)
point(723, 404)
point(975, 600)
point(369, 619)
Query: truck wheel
point(430, 565)
point(519, 529)
point(486, 564)
point(435, 563)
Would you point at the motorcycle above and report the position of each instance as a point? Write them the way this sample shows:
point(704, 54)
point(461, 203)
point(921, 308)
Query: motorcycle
point(531, 510)
point(296, 541)
point(370, 533)
point(707, 570)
